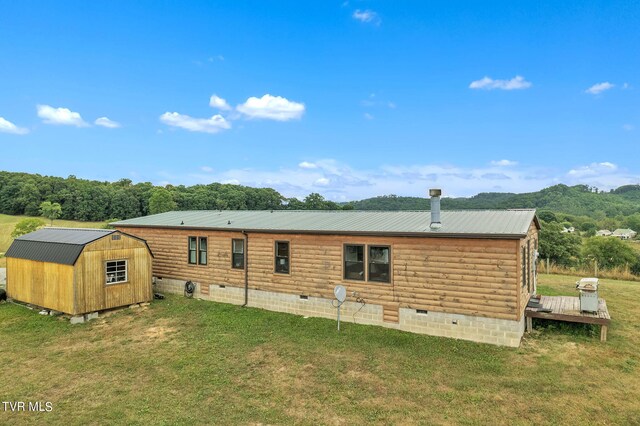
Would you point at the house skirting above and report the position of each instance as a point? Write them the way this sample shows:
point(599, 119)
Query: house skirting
point(478, 329)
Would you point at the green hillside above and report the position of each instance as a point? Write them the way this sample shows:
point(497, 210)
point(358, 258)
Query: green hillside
point(579, 200)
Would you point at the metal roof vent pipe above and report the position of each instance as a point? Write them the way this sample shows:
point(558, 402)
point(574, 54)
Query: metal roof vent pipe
point(435, 209)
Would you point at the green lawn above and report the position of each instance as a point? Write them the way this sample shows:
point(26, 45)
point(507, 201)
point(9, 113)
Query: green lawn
point(8, 223)
point(184, 361)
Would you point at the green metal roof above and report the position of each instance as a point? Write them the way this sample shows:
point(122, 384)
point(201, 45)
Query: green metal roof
point(467, 223)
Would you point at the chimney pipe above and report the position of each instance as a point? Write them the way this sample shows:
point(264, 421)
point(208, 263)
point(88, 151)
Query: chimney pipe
point(435, 209)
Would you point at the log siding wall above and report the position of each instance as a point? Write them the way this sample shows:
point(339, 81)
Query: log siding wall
point(531, 240)
point(478, 277)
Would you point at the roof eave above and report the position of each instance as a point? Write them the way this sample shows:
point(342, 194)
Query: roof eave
point(323, 232)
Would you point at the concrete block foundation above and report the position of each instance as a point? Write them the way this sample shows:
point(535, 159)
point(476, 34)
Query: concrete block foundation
point(478, 329)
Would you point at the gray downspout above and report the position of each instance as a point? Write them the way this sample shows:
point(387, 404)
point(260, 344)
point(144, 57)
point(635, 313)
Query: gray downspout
point(246, 269)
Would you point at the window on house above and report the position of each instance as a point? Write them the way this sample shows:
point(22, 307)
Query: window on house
point(116, 271)
point(202, 251)
point(282, 257)
point(193, 250)
point(379, 269)
point(237, 254)
point(354, 262)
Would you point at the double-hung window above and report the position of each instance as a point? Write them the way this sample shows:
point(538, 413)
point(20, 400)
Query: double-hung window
point(237, 254)
point(193, 250)
point(282, 257)
point(354, 262)
point(379, 269)
point(202, 250)
point(197, 250)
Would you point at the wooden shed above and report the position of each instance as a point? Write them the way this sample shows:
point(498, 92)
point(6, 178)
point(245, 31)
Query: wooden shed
point(461, 274)
point(77, 271)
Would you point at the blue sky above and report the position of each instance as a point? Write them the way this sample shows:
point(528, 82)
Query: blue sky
point(349, 99)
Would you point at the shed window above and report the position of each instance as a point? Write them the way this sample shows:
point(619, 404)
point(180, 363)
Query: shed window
point(202, 251)
point(193, 250)
point(237, 254)
point(379, 264)
point(354, 262)
point(116, 271)
point(282, 257)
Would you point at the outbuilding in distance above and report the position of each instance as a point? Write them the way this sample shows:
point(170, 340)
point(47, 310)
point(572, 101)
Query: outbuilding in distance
point(78, 271)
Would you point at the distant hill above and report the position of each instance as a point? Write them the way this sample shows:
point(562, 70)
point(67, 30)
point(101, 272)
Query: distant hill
point(86, 200)
point(580, 200)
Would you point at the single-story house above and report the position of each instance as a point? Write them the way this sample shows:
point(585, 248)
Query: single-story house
point(603, 233)
point(78, 271)
point(624, 234)
point(462, 274)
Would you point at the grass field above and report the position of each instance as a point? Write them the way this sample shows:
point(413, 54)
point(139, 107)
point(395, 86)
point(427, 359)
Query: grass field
point(8, 223)
point(185, 361)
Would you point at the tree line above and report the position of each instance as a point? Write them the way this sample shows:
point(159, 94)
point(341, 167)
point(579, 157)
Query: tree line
point(570, 250)
point(89, 200)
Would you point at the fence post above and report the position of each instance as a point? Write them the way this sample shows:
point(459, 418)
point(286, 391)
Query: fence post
point(596, 267)
point(547, 266)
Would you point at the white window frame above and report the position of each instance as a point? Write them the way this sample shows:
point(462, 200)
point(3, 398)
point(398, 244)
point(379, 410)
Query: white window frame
point(126, 271)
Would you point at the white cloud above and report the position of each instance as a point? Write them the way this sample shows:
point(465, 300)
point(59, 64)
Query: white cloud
point(8, 127)
point(105, 122)
point(598, 88)
point(307, 165)
point(368, 16)
point(368, 116)
point(206, 169)
point(60, 116)
point(217, 102)
point(271, 108)
point(205, 125)
point(516, 83)
point(341, 182)
point(503, 163)
point(628, 127)
point(626, 86)
point(593, 169)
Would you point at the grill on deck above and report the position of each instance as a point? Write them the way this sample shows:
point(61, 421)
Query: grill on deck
point(588, 288)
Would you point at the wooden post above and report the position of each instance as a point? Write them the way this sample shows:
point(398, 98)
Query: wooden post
point(603, 333)
point(596, 267)
point(547, 266)
point(529, 324)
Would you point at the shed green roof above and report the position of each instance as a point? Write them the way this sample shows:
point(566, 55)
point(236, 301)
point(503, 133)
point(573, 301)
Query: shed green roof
point(465, 223)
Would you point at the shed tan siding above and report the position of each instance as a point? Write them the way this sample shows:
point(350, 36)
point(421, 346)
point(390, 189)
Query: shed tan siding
point(92, 292)
point(40, 283)
point(452, 275)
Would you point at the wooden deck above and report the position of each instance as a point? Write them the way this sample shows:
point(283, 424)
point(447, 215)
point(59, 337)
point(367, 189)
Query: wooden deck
point(567, 308)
